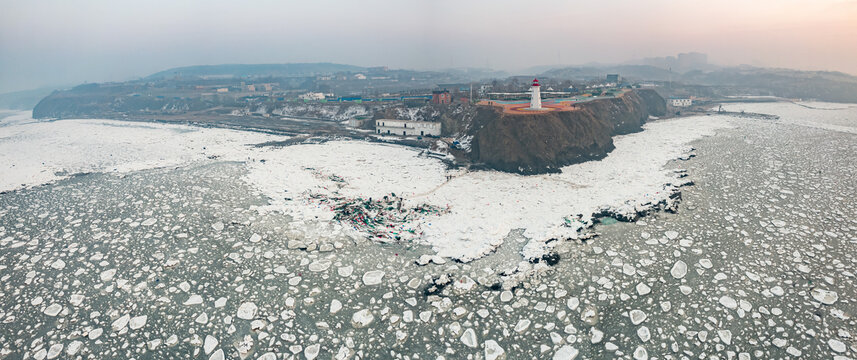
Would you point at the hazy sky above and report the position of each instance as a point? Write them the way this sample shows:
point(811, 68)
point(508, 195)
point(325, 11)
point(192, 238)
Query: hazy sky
point(66, 42)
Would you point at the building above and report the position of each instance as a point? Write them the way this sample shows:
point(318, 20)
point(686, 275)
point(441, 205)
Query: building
point(535, 96)
point(681, 102)
point(407, 127)
point(312, 96)
point(613, 78)
point(360, 77)
point(441, 97)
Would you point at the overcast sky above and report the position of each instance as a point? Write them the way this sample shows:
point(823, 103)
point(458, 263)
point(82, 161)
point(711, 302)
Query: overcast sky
point(46, 43)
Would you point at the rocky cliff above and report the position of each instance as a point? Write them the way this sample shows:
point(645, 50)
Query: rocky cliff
point(544, 142)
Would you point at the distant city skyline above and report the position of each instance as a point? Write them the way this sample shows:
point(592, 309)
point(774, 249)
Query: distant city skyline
point(55, 42)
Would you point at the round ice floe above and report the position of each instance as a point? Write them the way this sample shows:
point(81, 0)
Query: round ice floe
point(149, 222)
point(345, 271)
point(137, 322)
point(107, 275)
point(362, 318)
point(597, 336)
point(725, 336)
point(73, 347)
point(247, 311)
point(95, 333)
point(643, 289)
point(335, 306)
point(469, 338)
point(193, 300)
point(493, 351)
point(670, 234)
point(637, 316)
point(565, 353)
point(728, 302)
point(58, 264)
point(53, 309)
point(55, 351)
point(505, 296)
point(373, 277)
point(76, 299)
point(218, 226)
point(255, 238)
point(836, 345)
point(121, 322)
point(679, 269)
point(209, 344)
point(640, 353)
point(826, 297)
point(311, 352)
point(218, 355)
point(319, 265)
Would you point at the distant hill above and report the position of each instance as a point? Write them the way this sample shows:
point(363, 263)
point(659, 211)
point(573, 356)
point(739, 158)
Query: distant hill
point(255, 70)
point(24, 100)
point(636, 72)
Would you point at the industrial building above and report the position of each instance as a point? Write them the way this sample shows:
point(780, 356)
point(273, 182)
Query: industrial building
point(407, 127)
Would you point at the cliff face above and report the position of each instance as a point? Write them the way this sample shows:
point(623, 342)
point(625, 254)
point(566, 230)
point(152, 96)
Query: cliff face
point(544, 142)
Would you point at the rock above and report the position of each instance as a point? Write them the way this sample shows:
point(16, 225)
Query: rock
point(362, 318)
point(679, 269)
point(247, 311)
point(493, 351)
point(565, 353)
point(373, 277)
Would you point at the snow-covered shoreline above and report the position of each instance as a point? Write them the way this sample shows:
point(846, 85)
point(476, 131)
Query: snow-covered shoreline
point(483, 206)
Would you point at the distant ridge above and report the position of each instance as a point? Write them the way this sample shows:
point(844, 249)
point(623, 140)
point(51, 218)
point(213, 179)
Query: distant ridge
point(255, 70)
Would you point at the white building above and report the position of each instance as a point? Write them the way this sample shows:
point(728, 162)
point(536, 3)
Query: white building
point(536, 96)
point(681, 102)
point(312, 96)
point(407, 127)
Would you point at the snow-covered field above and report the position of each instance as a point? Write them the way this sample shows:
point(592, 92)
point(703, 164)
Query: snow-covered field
point(484, 206)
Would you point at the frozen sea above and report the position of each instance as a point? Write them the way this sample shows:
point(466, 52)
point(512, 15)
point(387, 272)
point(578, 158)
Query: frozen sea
point(195, 251)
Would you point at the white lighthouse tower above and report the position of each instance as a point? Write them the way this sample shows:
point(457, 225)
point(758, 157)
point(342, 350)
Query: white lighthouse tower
point(536, 99)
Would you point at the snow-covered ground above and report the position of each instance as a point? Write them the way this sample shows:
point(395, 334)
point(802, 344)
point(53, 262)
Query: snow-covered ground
point(484, 206)
point(35, 152)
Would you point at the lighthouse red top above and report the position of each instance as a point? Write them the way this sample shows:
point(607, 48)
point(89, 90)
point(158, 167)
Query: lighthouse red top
point(535, 82)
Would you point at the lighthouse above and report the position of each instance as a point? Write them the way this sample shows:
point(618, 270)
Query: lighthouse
point(536, 99)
